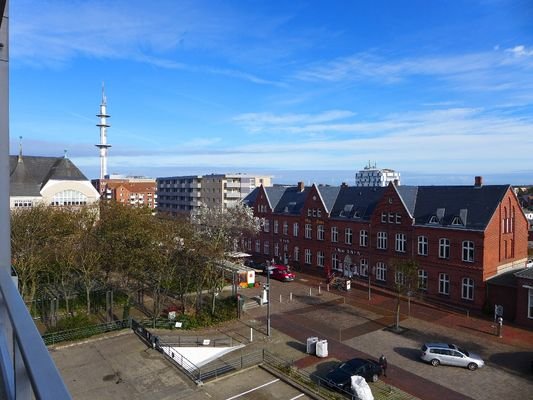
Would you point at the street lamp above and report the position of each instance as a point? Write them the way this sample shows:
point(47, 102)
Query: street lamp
point(268, 299)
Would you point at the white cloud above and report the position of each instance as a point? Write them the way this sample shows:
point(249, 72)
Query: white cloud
point(520, 51)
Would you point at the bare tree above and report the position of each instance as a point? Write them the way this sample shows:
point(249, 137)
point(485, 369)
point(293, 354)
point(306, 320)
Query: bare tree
point(405, 279)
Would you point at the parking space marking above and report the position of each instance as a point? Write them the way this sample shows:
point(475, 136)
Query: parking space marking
point(297, 397)
point(252, 390)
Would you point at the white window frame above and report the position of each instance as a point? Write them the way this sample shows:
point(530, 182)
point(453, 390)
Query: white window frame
point(401, 242)
point(334, 234)
point(295, 229)
point(383, 218)
point(335, 261)
point(444, 283)
point(308, 231)
point(363, 267)
point(381, 241)
point(444, 248)
point(266, 247)
point(296, 253)
point(467, 288)
point(276, 223)
point(276, 249)
point(320, 232)
point(422, 279)
point(363, 238)
point(423, 245)
point(308, 256)
point(468, 251)
point(266, 226)
point(258, 246)
point(381, 271)
point(399, 278)
point(320, 258)
point(348, 235)
point(530, 304)
point(285, 228)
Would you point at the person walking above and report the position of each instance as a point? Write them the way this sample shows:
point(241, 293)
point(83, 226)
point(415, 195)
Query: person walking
point(383, 363)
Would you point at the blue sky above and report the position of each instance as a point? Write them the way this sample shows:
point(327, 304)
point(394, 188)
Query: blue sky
point(302, 90)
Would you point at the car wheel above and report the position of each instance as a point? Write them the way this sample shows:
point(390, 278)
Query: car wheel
point(435, 362)
point(472, 366)
point(375, 378)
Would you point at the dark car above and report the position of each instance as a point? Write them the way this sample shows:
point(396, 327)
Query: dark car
point(341, 376)
point(282, 273)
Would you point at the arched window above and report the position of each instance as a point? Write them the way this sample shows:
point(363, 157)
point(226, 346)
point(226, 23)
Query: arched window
point(69, 198)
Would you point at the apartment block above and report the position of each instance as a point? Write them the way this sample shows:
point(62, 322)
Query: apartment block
point(183, 194)
point(372, 176)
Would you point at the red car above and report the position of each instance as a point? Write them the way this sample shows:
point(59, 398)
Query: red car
point(282, 273)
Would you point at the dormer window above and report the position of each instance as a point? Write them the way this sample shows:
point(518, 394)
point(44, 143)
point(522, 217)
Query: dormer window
point(433, 220)
point(457, 221)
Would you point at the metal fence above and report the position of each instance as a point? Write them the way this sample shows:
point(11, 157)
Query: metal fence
point(85, 332)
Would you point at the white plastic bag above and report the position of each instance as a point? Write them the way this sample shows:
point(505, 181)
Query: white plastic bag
point(361, 389)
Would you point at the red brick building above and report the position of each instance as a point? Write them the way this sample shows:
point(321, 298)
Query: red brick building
point(459, 236)
point(134, 192)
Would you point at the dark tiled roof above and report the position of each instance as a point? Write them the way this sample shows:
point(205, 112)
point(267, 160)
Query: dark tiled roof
point(356, 202)
point(249, 200)
point(479, 202)
point(472, 206)
point(504, 279)
point(31, 173)
point(291, 200)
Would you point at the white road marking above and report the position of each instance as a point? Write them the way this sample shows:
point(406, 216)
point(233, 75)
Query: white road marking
point(252, 390)
point(297, 397)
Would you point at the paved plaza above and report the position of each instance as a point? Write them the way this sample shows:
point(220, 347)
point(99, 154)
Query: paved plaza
point(122, 367)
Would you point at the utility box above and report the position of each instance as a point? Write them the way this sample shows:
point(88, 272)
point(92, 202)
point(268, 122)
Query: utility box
point(322, 348)
point(311, 345)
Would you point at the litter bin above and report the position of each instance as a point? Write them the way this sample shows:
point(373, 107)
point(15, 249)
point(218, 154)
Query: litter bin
point(311, 345)
point(322, 348)
point(348, 284)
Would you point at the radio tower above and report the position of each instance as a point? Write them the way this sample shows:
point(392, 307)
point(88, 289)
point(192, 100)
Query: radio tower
point(103, 146)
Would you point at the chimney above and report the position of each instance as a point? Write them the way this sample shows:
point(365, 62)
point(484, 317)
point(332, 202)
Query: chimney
point(478, 182)
point(301, 186)
point(396, 182)
point(344, 185)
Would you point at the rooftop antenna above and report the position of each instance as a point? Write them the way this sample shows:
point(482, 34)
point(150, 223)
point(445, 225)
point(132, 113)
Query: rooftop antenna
point(103, 146)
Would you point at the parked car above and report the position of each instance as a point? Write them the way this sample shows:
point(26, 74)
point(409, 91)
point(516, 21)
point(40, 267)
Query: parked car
point(450, 354)
point(282, 273)
point(340, 376)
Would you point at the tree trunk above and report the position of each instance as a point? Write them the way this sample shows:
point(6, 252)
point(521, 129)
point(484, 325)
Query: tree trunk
point(88, 299)
point(398, 313)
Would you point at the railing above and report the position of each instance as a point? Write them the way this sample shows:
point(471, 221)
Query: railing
point(85, 332)
point(26, 366)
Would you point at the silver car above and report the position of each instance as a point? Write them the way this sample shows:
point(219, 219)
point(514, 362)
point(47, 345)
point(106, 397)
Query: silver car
point(450, 354)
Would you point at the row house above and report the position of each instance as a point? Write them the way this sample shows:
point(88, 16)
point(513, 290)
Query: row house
point(459, 236)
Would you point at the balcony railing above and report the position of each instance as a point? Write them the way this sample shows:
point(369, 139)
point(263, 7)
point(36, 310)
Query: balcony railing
point(26, 366)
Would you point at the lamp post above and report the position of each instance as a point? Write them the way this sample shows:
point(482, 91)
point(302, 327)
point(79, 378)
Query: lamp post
point(268, 300)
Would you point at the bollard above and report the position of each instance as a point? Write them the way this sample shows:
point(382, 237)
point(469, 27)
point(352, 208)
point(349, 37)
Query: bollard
point(251, 335)
point(327, 287)
point(310, 293)
point(280, 298)
point(319, 289)
point(290, 297)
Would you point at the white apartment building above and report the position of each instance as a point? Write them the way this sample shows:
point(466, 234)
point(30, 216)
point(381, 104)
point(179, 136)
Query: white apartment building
point(372, 176)
point(183, 194)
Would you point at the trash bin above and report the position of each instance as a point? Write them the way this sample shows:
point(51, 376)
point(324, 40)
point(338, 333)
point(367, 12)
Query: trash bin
point(348, 284)
point(322, 348)
point(311, 345)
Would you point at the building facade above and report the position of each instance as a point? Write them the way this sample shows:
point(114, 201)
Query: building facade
point(131, 191)
point(54, 181)
point(183, 194)
point(459, 236)
point(372, 176)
